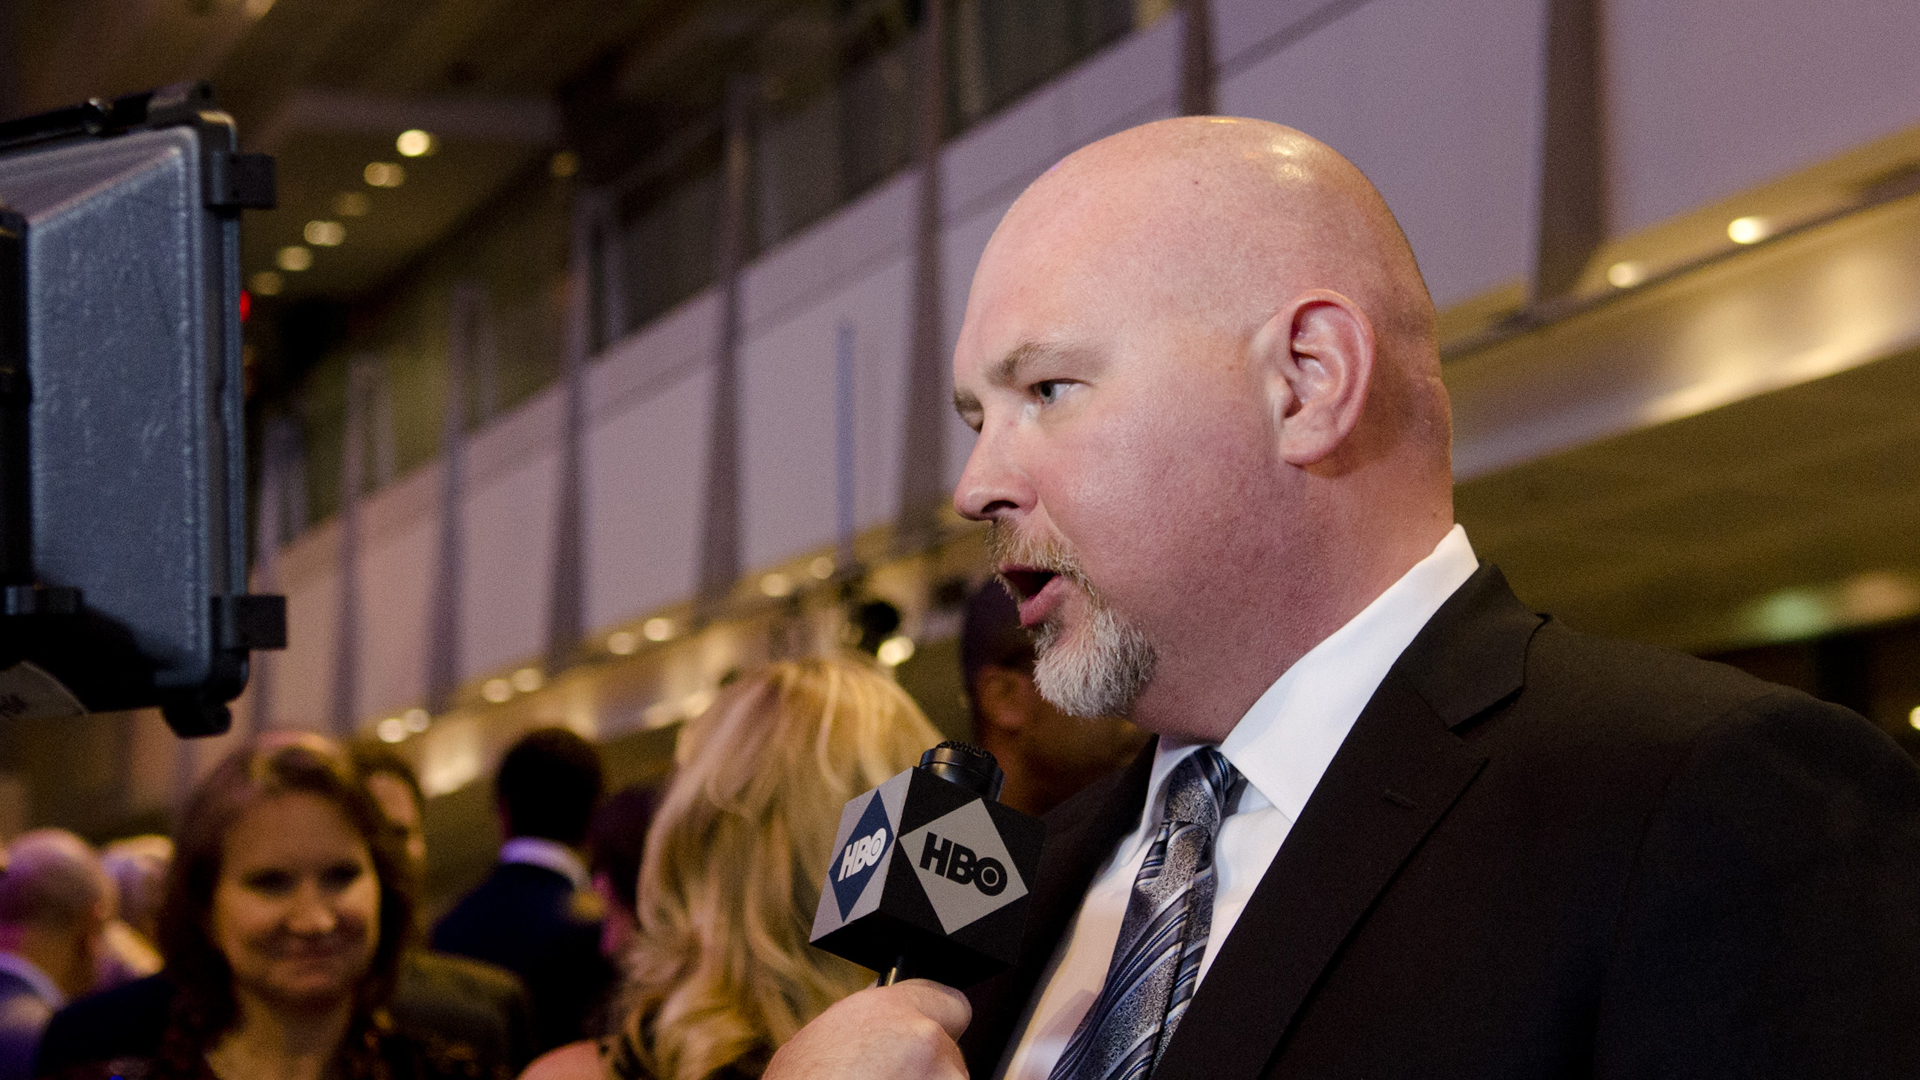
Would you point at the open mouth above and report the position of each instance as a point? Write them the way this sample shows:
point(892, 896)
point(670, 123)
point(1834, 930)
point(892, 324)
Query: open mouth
point(1025, 581)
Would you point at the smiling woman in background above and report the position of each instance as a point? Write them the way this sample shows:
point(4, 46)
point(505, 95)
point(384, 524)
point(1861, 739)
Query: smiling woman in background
point(720, 972)
point(283, 926)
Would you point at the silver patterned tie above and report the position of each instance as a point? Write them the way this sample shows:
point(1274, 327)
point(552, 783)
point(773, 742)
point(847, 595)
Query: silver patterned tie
point(1156, 962)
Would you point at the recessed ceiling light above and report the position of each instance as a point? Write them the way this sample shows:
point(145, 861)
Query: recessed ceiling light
point(267, 283)
point(657, 629)
point(527, 680)
point(821, 567)
point(776, 585)
point(385, 174)
point(392, 729)
point(417, 720)
point(294, 258)
point(352, 204)
point(325, 233)
point(496, 690)
point(622, 643)
point(564, 164)
point(415, 143)
point(1747, 230)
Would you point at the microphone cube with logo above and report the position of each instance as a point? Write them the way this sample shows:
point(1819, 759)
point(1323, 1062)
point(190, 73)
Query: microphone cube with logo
point(929, 875)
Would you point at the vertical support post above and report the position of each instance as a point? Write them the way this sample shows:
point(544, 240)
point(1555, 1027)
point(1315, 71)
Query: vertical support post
point(566, 611)
point(924, 444)
point(720, 526)
point(280, 446)
point(346, 631)
point(1197, 71)
point(1573, 189)
point(465, 310)
point(844, 418)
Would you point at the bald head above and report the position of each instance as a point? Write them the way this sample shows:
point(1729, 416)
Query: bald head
point(1221, 221)
point(1203, 367)
point(53, 879)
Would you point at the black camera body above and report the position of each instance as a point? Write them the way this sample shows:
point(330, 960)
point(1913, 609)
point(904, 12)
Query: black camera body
point(123, 554)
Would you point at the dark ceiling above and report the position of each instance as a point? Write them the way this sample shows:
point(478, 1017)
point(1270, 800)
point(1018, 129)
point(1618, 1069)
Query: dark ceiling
point(328, 85)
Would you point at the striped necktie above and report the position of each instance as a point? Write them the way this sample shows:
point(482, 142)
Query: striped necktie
point(1156, 962)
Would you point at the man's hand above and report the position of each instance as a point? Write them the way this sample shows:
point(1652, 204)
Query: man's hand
point(882, 1033)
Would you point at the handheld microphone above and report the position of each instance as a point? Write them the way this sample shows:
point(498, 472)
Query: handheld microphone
point(929, 874)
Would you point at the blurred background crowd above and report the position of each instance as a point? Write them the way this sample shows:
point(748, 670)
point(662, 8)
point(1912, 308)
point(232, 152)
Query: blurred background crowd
point(600, 438)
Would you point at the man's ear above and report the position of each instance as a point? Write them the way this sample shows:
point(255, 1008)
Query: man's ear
point(1317, 354)
point(997, 691)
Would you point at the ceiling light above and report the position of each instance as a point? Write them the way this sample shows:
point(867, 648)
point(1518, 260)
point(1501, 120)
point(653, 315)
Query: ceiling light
point(1747, 230)
point(895, 651)
point(527, 680)
point(657, 629)
point(776, 585)
point(497, 690)
point(294, 258)
point(352, 204)
point(622, 643)
point(415, 143)
point(564, 164)
point(385, 174)
point(821, 567)
point(267, 283)
point(416, 720)
point(325, 233)
point(1913, 718)
point(1625, 275)
point(392, 729)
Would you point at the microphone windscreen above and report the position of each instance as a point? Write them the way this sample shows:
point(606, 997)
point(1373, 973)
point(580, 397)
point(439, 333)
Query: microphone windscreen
point(928, 875)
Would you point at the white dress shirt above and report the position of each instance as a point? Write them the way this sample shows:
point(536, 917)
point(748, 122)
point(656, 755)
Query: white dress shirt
point(552, 854)
point(1282, 746)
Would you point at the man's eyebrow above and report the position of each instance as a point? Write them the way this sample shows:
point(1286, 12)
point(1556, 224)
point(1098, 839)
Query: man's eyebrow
point(1007, 371)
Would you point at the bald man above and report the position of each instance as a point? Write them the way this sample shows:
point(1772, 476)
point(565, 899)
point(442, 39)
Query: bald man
point(1394, 824)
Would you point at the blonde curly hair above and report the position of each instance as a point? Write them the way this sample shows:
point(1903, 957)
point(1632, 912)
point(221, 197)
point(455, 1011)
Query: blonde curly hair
point(721, 973)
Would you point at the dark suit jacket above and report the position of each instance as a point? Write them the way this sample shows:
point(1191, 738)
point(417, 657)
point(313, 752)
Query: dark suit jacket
point(1541, 854)
point(529, 920)
point(23, 1016)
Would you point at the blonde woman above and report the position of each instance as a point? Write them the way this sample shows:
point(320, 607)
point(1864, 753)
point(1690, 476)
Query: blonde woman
point(721, 973)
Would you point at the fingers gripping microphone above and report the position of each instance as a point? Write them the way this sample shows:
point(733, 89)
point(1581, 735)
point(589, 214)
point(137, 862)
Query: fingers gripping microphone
point(929, 874)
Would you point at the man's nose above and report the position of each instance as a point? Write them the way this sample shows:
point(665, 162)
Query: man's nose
point(990, 487)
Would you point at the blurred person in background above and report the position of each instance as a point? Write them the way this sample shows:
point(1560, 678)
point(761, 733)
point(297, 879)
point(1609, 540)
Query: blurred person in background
point(55, 903)
point(615, 842)
point(720, 973)
point(285, 919)
point(1047, 755)
point(457, 998)
point(137, 868)
point(536, 914)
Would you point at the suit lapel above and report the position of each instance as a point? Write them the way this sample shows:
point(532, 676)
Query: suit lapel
point(1397, 774)
point(1080, 835)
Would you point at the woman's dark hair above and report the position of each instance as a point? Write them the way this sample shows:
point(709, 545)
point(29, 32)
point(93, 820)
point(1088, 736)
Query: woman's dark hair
point(266, 767)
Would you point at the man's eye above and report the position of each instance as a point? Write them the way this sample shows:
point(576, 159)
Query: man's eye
point(1048, 390)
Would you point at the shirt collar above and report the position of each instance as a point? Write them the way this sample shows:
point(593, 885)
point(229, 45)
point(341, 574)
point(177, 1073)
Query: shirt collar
point(550, 854)
point(28, 972)
point(1284, 743)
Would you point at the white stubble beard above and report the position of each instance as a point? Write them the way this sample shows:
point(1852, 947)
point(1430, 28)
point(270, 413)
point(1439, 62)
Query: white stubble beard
point(1097, 670)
